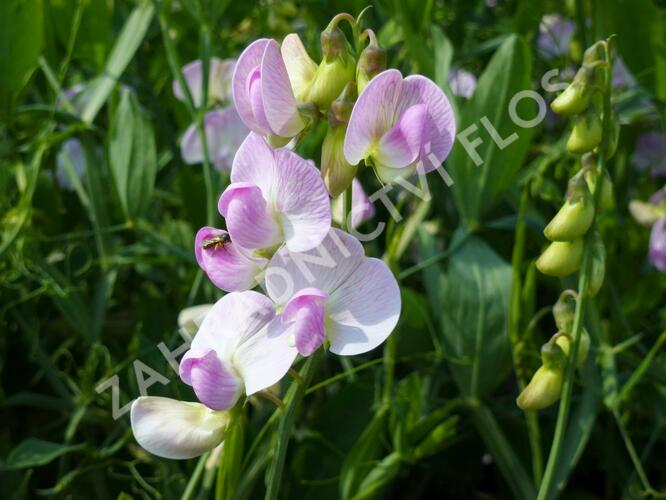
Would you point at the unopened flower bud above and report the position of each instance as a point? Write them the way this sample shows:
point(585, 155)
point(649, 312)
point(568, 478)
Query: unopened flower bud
point(335, 70)
point(563, 312)
point(576, 97)
point(543, 390)
point(598, 268)
point(337, 173)
point(576, 215)
point(565, 342)
point(593, 177)
point(371, 62)
point(586, 133)
point(561, 258)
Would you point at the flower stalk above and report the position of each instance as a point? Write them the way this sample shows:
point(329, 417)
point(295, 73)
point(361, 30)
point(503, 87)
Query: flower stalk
point(581, 304)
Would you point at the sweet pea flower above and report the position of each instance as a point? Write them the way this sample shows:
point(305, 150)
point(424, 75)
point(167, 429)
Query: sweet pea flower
point(70, 152)
point(650, 154)
point(362, 208)
point(400, 126)
point(462, 83)
point(225, 132)
point(265, 92)
point(657, 251)
point(219, 80)
point(239, 349)
point(555, 35)
point(334, 293)
point(275, 197)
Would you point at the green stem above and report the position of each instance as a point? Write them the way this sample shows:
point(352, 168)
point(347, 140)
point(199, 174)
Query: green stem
point(229, 467)
point(347, 209)
point(286, 425)
point(567, 388)
point(195, 477)
point(516, 339)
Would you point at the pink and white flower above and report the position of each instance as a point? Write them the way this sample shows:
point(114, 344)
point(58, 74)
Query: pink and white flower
point(400, 125)
point(268, 84)
point(219, 80)
point(240, 349)
point(334, 293)
point(225, 132)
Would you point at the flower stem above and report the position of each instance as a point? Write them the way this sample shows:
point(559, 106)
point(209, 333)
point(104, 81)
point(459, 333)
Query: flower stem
point(286, 424)
point(347, 209)
point(581, 303)
point(229, 467)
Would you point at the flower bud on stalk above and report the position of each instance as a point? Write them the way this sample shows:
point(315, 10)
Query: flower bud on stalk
point(576, 97)
point(563, 311)
point(598, 269)
point(335, 170)
point(565, 342)
point(546, 385)
point(586, 133)
point(594, 177)
point(335, 70)
point(561, 258)
point(576, 215)
point(371, 62)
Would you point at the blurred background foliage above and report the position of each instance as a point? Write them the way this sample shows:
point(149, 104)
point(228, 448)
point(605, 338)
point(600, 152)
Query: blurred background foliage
point(94, 271)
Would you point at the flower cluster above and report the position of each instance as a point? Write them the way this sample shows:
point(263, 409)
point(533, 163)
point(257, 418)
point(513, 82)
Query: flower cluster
point(321, 291)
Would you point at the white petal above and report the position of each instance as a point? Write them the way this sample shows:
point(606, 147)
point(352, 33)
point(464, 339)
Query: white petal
point(364, 310)
point(176, 429)
point(191, 318)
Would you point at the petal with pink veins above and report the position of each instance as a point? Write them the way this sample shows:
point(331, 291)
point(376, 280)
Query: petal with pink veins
point(248, 63)
point(229, 266)
point(305, 310)
point(212, 379)
point(249, 218)
point(279, 103)
point(400, 146)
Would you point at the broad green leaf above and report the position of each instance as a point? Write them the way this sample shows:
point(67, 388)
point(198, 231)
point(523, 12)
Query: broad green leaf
point(126, 46)
point(35, 452)
point(443, 53)
point(132, 156)
point(21, 39)
point(475, 301)
point(483, 172)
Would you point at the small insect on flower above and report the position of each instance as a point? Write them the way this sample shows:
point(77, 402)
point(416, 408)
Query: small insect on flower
point(216, 242)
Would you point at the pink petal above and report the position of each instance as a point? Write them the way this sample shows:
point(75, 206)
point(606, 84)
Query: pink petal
point(255, 163)
point(254, 89)
point(401, 145)
point(440, 129)
point(247, 63)
point(278, 97)
point(302, 201)
point(373, 115)
point(193, 74)
point(228, 266)
point(249, 219)
point(306, 310)
point(300, 67)
point(364, 310)
point(190, 146)
point(213, 381)
point(325, 267)
point(362, 208)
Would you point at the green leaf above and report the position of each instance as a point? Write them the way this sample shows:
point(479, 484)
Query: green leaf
point(361, 458)
point(475, 319)
point(35, 452)
point(482, 173)
point(21, 39)
point(379, 477)
point(132, 156)
point(128, 43)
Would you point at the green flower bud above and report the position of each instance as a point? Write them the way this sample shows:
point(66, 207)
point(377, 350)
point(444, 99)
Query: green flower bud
point(543, 390)
point(335, 70)
point(598, 268)
point(561, 258)
point(563, 311)
point(565, 342)
point(371, 62)
point(586, 133)
point(576, 97)
point(576, 215)
point(594, 177)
